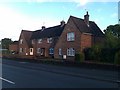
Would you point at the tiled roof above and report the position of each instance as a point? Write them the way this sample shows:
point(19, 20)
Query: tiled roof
point(15, 42)
point(27, 35)
point(54, 31)
point(82, 26)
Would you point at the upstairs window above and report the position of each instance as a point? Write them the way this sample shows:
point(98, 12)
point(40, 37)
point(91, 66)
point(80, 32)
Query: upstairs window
point(70, 52)
point(39, 40)
point(21, 41)
point(49, 40)
point(32, 41)
point(51, 51)
point(71, 36)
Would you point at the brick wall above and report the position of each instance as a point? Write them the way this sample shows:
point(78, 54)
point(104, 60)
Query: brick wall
point(64, 44)
point(24, 46)
point(86, 41)
point(44, 44)
point(13, 47)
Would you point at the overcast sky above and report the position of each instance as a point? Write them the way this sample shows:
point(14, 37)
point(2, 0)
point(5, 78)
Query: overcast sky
point(32, 14)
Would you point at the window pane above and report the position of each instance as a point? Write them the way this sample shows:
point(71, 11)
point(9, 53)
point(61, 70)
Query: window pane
point(51, 51)
point(60, 51)
point(70, 36)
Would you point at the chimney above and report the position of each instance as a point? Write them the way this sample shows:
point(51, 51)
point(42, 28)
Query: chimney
point(43, 27)
point(62, 23)
point(86, 18)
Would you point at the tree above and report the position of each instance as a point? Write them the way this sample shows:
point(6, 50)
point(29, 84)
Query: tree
point(5, 43)
point(112, 34)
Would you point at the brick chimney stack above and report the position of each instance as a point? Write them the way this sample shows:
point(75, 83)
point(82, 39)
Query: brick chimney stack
point(43, 27)
point(62, 23)
point(86, 18)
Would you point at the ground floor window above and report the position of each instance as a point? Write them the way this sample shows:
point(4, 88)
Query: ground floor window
point(21, 50)
point(51, 51)
point(70, 52)
point(38, 50)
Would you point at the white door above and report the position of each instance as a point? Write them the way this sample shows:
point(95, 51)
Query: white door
point(31, 51)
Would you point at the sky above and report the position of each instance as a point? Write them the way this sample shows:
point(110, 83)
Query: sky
point(17, 15)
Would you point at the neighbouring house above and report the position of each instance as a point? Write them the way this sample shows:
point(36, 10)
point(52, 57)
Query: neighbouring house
point(13, 47)
point(25, 45)
point(40, 43)
point(44, 40)
point(62, 41)
point(77, 35)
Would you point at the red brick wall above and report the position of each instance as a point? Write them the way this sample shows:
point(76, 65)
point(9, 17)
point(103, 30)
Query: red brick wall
point(13, 47)
point(64, 44)
point(24, 45)
point(82, 41)
point(86, 41)
point(44, 44)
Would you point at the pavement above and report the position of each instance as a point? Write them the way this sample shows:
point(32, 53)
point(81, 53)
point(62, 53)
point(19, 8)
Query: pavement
point(20, 74)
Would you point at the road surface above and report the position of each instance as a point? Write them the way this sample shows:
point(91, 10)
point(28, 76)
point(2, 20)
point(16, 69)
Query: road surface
point(19, 74)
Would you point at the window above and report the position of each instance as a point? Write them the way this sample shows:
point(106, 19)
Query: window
point(51, 51)
point(21, 50)
point(70, 52)
point(39, 40)
point(49, 40)
point(32, 41)
point(21, 41)
point(60, 51)
point(38, 50)
point(71, 36)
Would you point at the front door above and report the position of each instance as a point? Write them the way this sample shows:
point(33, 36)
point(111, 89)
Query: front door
point(42, 51)
point(31, 51)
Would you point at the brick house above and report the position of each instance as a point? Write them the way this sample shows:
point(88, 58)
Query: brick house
point(78, 34)
point(13, 48)
point(45, 39)
point(25, 46)
point(39, 43)
point(60, 41)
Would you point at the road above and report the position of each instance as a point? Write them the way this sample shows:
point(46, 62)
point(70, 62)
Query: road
point(17, 74)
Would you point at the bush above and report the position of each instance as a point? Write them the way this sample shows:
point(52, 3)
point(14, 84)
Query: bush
point(117, 58)
point(79, 57)
point(108, 54)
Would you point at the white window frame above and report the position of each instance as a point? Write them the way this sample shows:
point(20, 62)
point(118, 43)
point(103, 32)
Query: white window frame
point(39, 40)
point(70, 52)
point(60, 51)
point(21, 50)
point(21, 41)
point(71, 36)
point(49, 40)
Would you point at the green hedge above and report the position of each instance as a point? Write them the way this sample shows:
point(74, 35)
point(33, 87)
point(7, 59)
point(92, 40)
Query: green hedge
point(117, 58)
point(106, 55)
point(79, 57)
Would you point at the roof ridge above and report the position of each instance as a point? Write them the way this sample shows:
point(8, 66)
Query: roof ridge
point(75, 24)
point(47, 28)
point(27, 31)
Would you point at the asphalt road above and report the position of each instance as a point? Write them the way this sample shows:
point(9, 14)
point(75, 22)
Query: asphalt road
point(17, 74)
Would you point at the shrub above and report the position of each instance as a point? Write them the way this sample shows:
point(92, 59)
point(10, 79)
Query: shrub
point(117, 58)
point(79, 57)
point(108, 55)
